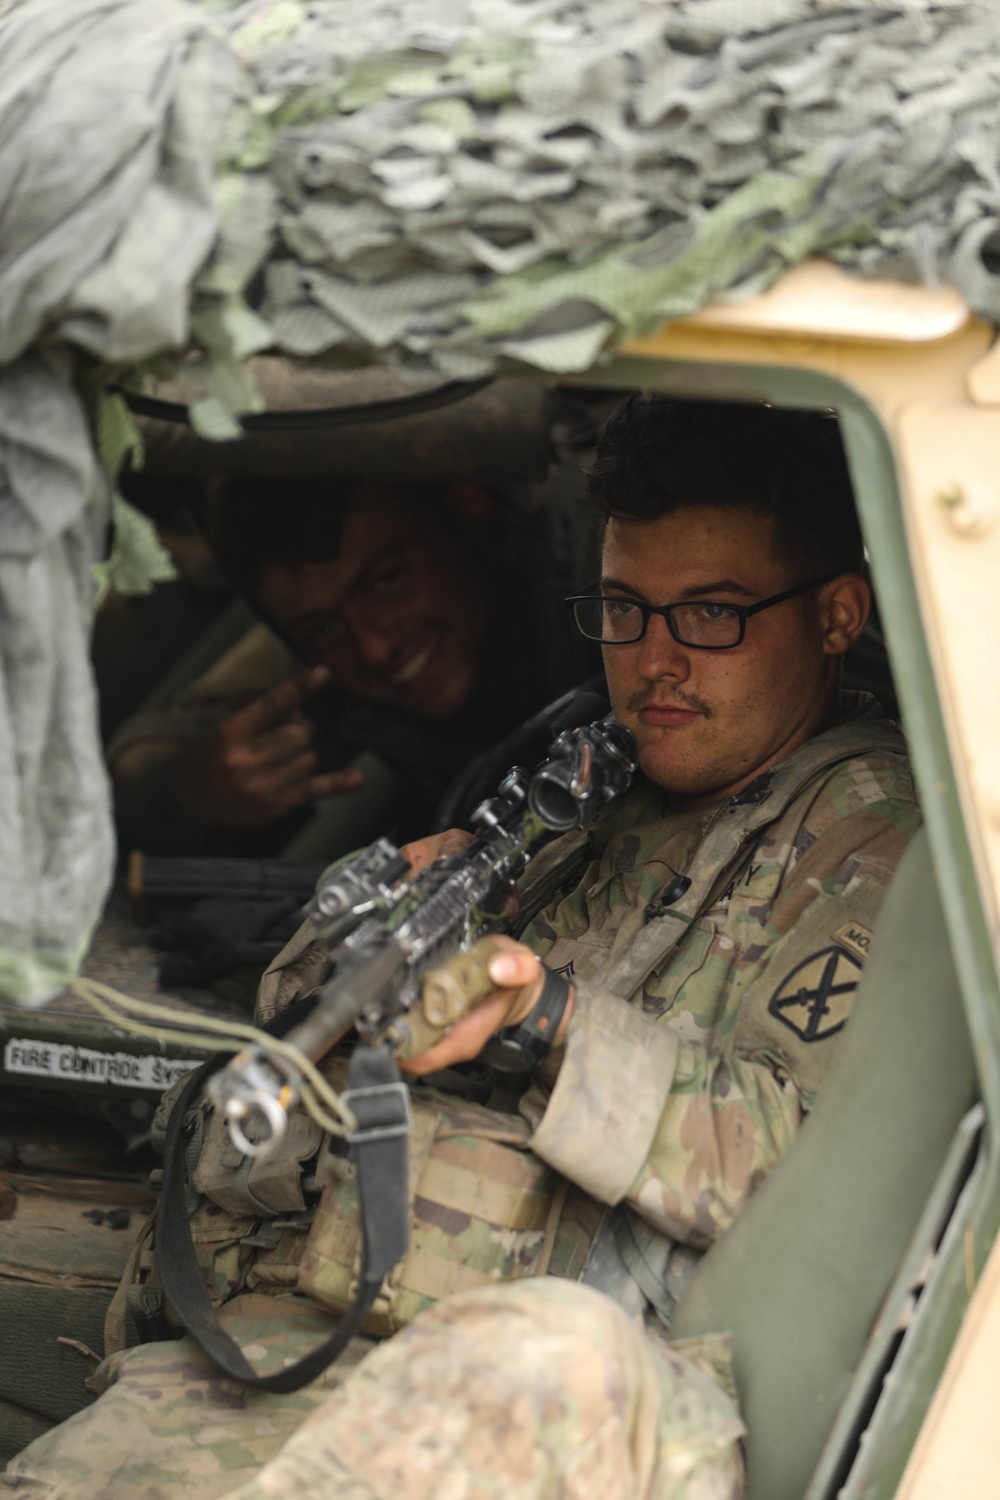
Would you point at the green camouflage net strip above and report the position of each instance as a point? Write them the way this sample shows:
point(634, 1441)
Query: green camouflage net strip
point(443, 185)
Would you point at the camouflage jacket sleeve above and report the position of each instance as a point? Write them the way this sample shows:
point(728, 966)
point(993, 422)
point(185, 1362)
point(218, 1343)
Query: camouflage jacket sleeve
point(683, 1126)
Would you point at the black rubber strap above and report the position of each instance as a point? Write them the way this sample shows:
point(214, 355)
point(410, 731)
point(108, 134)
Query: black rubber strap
point(517, 1049)
point(379, 1150)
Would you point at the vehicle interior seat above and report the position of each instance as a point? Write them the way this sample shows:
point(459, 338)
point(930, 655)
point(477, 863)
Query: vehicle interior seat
point(801, 1277)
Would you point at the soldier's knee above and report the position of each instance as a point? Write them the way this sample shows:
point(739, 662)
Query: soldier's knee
point(528, 1327)
point(562, 1356)
point(513, 1388)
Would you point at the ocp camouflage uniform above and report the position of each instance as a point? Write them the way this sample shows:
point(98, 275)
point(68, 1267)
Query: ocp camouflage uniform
point(753, 969)
point(716, 954)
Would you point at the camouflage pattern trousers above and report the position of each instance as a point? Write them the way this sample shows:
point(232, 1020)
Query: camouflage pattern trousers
point(528, 1390)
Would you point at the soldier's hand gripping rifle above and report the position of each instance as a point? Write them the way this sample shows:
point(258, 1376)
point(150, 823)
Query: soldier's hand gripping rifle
point(409, 955)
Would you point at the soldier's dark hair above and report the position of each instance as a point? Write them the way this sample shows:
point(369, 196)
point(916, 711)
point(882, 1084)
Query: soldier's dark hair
point(255, 523)
point(657, 455)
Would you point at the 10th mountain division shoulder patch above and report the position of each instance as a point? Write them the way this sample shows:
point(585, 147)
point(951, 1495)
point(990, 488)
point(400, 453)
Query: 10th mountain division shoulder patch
point(815, 999)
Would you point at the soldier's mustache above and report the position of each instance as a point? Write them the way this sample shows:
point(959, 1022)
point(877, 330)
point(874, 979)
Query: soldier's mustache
point(647, 698)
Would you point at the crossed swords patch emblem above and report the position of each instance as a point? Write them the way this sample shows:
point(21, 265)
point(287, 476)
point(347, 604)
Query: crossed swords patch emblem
point(814, 1000)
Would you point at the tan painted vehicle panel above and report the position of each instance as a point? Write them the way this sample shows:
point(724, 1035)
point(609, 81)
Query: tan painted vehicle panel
point(958, 1450)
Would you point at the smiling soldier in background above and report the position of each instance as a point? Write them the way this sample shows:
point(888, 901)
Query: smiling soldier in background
point(420, 610)
point(702, 946)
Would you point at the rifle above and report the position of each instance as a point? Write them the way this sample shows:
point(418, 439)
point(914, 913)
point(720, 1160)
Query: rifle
point(409, 955)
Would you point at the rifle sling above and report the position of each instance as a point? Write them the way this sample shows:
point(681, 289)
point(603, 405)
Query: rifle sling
point(380, 1154)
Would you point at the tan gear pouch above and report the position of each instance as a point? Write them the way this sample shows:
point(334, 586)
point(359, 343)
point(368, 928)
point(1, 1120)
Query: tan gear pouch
point(247, 1215)
point(483, 1209)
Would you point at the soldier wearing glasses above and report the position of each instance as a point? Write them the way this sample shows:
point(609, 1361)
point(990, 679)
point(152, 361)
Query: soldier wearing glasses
point(713, 928)
point(711, 931)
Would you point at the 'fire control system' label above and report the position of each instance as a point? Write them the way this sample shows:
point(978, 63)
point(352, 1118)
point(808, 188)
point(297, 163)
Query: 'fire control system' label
point(70, 1064)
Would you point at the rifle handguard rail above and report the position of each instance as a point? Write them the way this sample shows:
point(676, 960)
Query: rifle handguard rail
point(390, 934)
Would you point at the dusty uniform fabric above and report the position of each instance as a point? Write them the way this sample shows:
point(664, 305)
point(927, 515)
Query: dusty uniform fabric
point(510, 1393)
point(681, 1102)
point(168, 1424)
point(540, 1390)
point(675, 1096)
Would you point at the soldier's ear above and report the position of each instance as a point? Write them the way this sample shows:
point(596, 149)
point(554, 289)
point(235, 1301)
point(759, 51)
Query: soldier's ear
point(844, 604)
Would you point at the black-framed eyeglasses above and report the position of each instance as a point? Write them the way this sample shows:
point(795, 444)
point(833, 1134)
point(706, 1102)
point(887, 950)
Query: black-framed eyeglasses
point(703, 624)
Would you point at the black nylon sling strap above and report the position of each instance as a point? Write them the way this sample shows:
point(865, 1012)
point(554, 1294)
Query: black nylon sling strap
point(379, 1149)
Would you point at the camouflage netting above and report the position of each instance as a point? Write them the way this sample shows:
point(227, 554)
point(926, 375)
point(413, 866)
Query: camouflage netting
point(106, 214)
point(457, 183)
point(442, 186)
